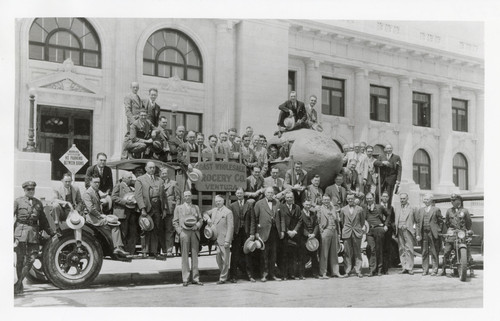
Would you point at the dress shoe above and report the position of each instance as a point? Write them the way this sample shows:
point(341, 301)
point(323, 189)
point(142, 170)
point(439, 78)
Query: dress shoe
point(220, 282)
point(120, 251)
point(292, 278)
point(433, 274)
point(263, 279)
point(185, 284)
point(274, 278)
point(410, 272)
point(232, 280)
point(197, 283)
point(379, 273)
point(403, 272)
point(316, 276)
point(360, 275)
point(443, 273)
point(283, 279)
point(251, 279)
point(340, 276)
point(324, 277)
point(301, 278)
point(425, 273)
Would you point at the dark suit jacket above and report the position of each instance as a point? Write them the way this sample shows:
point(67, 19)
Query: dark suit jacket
point(352, 223)
point(299, 111)
point(335, 196)
point(170, 196)
point(76, 197)
point(262, 217)
point(389, 173)
point(119, 204)
point(176, 146)
point(308, 224)
point(106, 183)
point(435, 222)
point(291, 220)
point(245, 214)
point(350, 183)
point(192, 159)
point(302, 177)
point(143, 185)
point(93, 208)
point(152, 110)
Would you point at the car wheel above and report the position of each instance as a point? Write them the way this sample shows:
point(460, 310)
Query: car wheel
point(69, 268)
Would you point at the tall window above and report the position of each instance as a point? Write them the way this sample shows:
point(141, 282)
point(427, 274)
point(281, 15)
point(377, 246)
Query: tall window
point(291, 80)
point(421, 109)
point(422, 169)
point(169, 52)
point(332, 100)
point(57, 39)
point(190, 121)
point(460, 171)
point(459, 115)
point(379, 103)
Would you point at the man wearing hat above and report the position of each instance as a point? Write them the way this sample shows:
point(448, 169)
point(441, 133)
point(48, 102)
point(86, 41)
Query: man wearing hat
point(66, 197)
point(96, 217)
point(171, 197)
point(290, 264)
point(124, 207)
point(187, 223)
point(291, 108)
point(328, 222)
point(308, 229)
point(221, 218)
point(29, 218)
point(269, 224)
point(148, 197)
point(456, 217)
point(242, 218)
point(352, 218)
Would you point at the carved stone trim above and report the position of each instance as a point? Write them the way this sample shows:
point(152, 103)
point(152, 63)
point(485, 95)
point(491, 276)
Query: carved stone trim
point(67, 85)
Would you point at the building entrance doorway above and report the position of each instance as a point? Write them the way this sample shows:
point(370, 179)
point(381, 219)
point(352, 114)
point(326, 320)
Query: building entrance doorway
point(58, 128)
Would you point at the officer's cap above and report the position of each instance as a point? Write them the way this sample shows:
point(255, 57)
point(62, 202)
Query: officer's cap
point(455, 197)
point(29, 184)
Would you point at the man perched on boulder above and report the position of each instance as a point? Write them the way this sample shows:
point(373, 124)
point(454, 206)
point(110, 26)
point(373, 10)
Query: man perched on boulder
point(292, 115)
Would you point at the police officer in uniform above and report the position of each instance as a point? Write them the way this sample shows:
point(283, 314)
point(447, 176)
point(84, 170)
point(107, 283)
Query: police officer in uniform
point(28, 218)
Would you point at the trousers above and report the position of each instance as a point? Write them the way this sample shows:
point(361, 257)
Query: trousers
point(406, 251)
point(237, 254)
point(189, 242)
point(223, 261)
point(328, 252)
point(375, 240)
point(429, 245)
point(268, 257)
point(352, 250)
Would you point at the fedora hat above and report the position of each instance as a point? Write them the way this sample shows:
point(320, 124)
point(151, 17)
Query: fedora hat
point(190, 221)
point(146, 223)
point(106, 201)
point(312, 244)
point(130, 197)
point(195, 175)
point(289, 122)
point(112, 220)
point(249, 246)
point(210, 232)
point(260, 244)
point(75, 220)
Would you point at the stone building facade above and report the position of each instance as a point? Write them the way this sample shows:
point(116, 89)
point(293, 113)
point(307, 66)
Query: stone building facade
point(417, 86)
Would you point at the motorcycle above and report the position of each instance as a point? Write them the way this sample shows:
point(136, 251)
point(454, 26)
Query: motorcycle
point(459, 257)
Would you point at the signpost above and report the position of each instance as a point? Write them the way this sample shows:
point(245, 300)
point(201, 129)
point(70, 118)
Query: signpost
point(73, 160)
point(221, 176)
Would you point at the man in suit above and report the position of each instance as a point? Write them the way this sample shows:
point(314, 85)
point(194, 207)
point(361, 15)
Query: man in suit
point(388, 251)
point(291, 260)
point(372, 179)
point(406, 216)
point(308, 228)
point(351, 181)
point(297, 178)
point(329, 229)
point(191, 147)
point(229, 144)
point(221, 218)
point(337, 192)
point(314, 193)
point(66, 197)
point(161, 140)
point(148, 197)
point(255, 185)
point(293, 108)
point(132, 103)
point(212, 148)
point(96, 217)
point(189, 237)
point(378, 221)
point(125, 210)
point(176, 144)
point(247, 154)
point(152, 108)
point(242, 218)
point(29, 218)
point(269, 224)
point(430, 222)
point(138, 139)
point(104, 174)
point(278, 183)
point(361, 166)
point(390, 170)
point(170, 199)
point(352, 218)
point(312, 115)
point(200, 141)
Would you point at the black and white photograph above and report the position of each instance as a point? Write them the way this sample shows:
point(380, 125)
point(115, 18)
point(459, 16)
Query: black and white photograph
point(221, 159)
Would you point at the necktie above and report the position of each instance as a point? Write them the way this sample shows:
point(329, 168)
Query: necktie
point(31, 201)
point(275, 182)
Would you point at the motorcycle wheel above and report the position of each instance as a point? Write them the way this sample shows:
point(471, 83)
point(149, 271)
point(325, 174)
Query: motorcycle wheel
point(462, 271)
point(36, 275)
point(67, 269)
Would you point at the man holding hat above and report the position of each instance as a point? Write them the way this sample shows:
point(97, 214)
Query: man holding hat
point(456, 217)
point(96, 217)
point(147, 195)
point(124, 206)
point(187, 223)
point(308, 228)
point(161, 140)
point(171, 197)
point(294, 109)
point(220, 219)
point(66, 197)
point(242, 219)
point(29, 218)
point(352, 218)
point(328, 220)
point(290, 265)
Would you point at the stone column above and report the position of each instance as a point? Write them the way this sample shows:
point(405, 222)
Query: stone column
point(445, 141)
point(224, 85)
point(479, 186)
point(361, 115)
point(313, 84)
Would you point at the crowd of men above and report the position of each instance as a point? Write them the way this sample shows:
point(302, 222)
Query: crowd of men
point(273, 228)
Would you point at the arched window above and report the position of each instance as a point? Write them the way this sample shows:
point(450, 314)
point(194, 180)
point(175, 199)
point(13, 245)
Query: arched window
point(422, 169)
point(460, 171)
point(169, 52)
point(57, 39)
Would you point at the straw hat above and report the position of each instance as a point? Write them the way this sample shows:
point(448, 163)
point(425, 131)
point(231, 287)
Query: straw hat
point(289, 122)
point(190, 221)
point(195, 175)
point(75, 220)
point(112, 220)
point(146, 223)
point(312, 244)
point(210, 233)
point(249, 246)
point(130, 197)
point(260, 244)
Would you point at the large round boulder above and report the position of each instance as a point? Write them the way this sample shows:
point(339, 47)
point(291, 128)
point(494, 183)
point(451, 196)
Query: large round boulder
point(317, 151)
